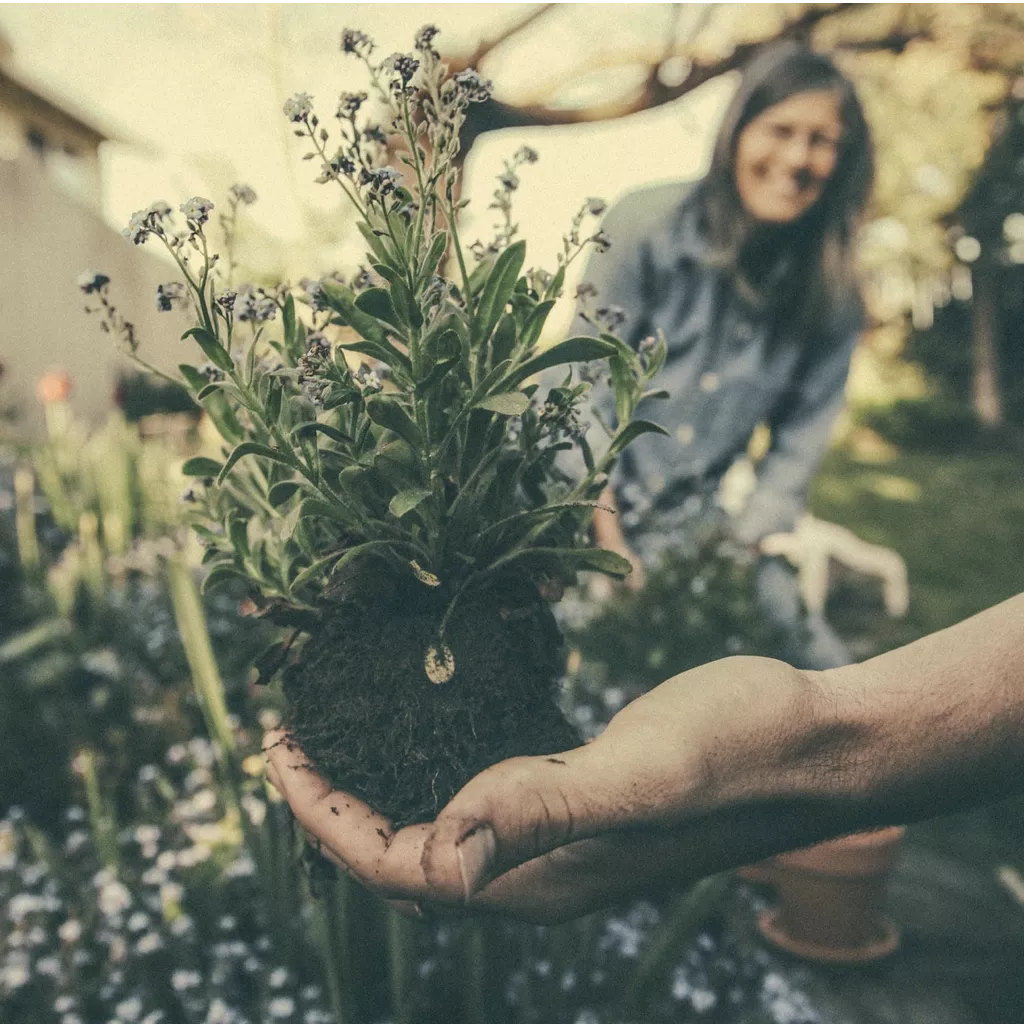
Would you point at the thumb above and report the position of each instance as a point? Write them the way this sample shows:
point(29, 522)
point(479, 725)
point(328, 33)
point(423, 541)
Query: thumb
point(511, 813)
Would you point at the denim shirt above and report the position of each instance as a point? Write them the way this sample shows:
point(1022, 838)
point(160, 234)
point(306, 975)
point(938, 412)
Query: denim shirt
point(726, 372)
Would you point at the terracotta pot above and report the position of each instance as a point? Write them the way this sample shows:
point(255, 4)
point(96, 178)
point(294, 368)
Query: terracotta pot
point(831, 898)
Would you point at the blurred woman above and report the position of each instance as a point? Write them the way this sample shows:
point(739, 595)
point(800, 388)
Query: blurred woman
point(749, 276)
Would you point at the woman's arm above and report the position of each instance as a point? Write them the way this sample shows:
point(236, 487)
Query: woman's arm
point(800, 429)
point(608, 534)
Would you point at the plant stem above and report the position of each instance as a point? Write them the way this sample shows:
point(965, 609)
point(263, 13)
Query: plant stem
point(680, 928)
point(401, 955)
point(25, 519)
point(476, 974)
point(335, 908)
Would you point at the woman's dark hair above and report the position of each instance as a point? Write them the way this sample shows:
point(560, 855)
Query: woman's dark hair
point(811, 273)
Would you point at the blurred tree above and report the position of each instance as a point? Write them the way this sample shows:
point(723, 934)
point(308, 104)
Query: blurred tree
point(992, 214)
point(937, 82)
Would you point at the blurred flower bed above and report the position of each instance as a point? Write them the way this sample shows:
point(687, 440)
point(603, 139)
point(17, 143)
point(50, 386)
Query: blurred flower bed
point(149, 875)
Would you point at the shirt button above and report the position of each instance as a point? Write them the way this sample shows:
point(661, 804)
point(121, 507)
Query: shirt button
point(709, 382)
point(684, 433)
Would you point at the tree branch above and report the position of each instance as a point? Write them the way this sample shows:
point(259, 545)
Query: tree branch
point(487, 46)
point(495, 115)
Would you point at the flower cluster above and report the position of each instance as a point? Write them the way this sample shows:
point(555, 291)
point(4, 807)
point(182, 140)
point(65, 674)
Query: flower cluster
point(560, 415)
point(92, 282)
point(170, 296)
point(243, 194)
point(473, 87)
point(112, 322)
point(369, 380)
point(401, 67)
point(253, 305)
point(197, 211)
point(142, 939)
point(424, 40)
point(357, 43)
point(298, 108)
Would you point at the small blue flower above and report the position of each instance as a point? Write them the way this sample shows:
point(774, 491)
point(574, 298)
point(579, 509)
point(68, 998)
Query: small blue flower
point(197, 210)
point(299, 107)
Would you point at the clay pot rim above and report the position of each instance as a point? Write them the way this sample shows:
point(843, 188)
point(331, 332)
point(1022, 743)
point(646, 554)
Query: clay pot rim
point(867, 840)
point(862, 853)
point(887, 943)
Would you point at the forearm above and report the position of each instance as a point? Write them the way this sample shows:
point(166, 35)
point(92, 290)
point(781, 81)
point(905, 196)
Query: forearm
point(918, 732)
point(606, 528)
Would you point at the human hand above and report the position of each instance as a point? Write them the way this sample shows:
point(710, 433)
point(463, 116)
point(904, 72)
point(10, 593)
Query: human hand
point(608, 535)
point(547, 838)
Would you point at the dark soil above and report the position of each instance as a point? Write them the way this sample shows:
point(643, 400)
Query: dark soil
point(373, 724)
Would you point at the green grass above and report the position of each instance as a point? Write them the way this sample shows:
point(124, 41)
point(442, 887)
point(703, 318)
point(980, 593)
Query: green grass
point(958, 521)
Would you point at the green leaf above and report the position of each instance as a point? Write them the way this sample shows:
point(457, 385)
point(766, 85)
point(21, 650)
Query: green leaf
point(535, 324)
point(325, 510)
point(281, 492)
point(573, 350)
point(478, 276)
point(388, 273)
point(396, 463)
point(623, 387)
point(195, 380)
point(274, 399)
point(554, 289)
point(288, 318)
point(318, 568)
point(628, 356)
point(369, 547)
point(510, 403)
point(210, 389)
point(504, 340)
point(253, 448)
point(500, 284)
point(308, 429)
point(405, 304)
point(375, 243)
point(379, 304)
point(437, 248)
point(572, 560)
point(217, 406)
point(536, 515)
point(405, 501)
point(206, 534)
point(212, 348)
point(386, 353)
point(388, 413)
point(221, 574)
point(200, 466)
point(440, 370)
point(375, 341)
point(238, 534)
point(631, 432)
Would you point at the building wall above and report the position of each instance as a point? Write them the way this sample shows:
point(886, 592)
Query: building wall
point(47, 239)
point(64, 146)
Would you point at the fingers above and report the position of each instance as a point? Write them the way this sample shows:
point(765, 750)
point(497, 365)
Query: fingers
point(510, 814)
point(350, 833)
